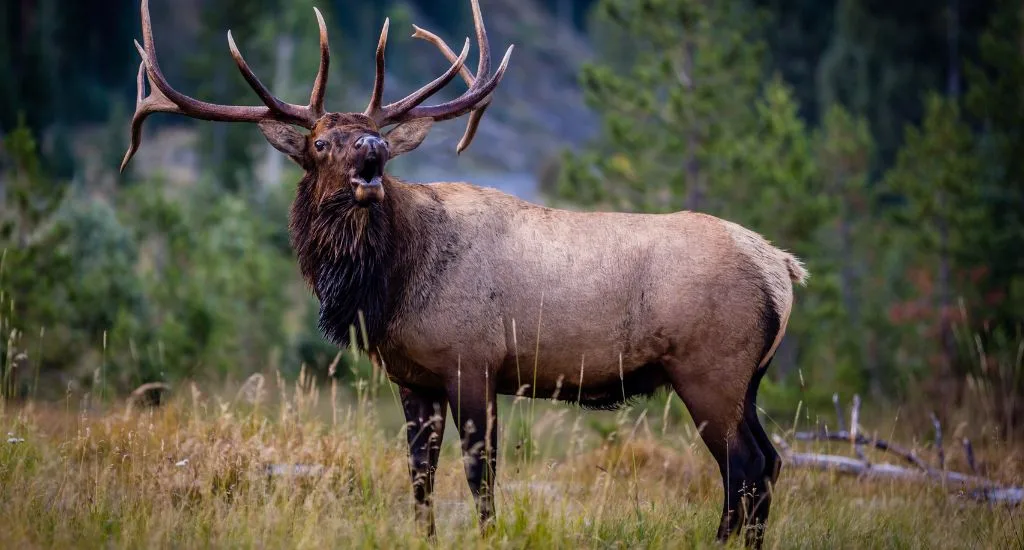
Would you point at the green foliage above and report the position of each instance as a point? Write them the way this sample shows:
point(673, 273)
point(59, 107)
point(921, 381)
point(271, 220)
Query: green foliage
point(775, 169)
point(937, 173)
point(215, 305)
point(960, 180)
point(995, 101)
point(942, 221)
point(29, 196)
point(881, 57)
point(850, 261)
point(678, 70)
point(192, 283)
point(67, 262)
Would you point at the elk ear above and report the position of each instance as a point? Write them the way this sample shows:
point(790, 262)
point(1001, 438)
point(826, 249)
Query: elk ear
point(286, 139)
point(409, 135)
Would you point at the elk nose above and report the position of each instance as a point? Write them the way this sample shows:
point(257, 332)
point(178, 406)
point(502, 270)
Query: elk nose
point(375, 144)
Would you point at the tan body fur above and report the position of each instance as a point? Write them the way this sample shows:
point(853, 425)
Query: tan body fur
point(598, 288)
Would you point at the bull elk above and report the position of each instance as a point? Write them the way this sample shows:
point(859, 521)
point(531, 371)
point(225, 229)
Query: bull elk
point(439, 275)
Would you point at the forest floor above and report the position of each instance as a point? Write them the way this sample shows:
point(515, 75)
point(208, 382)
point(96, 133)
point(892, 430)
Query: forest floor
point(292, 466)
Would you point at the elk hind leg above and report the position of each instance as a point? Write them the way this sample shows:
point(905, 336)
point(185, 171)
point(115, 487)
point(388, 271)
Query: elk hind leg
point(717, 408)
point(772, 462)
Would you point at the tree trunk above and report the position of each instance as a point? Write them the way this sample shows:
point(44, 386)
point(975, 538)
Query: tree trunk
point(945, 299)
point(694, 187)
point(953, 45)
point(953, 89)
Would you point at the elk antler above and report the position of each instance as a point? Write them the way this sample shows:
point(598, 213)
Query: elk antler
point(165, 99)
point(478, 113)
point(475, 99)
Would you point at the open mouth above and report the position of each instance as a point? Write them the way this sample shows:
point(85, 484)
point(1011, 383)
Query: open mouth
point(368, 181)
point(371, 172)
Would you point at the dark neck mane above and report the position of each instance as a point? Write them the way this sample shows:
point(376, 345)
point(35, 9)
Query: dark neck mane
point(346, 254)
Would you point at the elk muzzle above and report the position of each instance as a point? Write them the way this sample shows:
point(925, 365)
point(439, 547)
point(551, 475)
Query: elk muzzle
point(368, 181)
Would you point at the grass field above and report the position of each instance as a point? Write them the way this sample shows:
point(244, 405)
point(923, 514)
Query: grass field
point(275, 465)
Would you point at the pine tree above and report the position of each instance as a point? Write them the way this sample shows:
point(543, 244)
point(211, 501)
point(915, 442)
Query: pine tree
point(996, 101)
point(938, 174)
point(674, 102)
point(843, 150)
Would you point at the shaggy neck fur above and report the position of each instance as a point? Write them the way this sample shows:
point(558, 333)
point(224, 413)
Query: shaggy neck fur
point(346, 254)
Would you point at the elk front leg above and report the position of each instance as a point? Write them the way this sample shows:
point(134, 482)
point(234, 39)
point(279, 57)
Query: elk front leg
point(472, 399)
point(425, 416)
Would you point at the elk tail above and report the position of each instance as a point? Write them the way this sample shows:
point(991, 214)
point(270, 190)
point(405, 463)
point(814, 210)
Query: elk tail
point(797, 272)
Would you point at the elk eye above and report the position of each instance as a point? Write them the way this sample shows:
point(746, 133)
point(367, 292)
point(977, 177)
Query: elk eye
point(320, 144)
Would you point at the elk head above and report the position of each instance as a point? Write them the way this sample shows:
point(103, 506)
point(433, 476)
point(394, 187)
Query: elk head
point(343, 153)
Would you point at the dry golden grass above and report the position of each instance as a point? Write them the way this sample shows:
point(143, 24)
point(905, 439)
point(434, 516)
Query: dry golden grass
point(195, 474)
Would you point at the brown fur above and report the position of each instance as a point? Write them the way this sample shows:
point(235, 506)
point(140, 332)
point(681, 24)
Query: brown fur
point(470, 292)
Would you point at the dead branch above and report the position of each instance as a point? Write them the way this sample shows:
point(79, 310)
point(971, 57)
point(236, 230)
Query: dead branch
point(969, 453)
point(976, 488)
point(879, 444)
point(847, 465)
point(839, 411)
point(938, 441)
point(972, 485)
point(858, 448)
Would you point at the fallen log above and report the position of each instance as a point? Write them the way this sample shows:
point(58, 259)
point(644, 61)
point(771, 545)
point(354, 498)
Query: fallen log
point(976, 488)
point(971, 485)
point(860, 439)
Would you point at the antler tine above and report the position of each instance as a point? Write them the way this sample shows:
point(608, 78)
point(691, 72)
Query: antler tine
point(165, 99)
point(484, 65)
point(475, 117)
point(140, 115)
point(158, 101)
point(304, 116)
point(476, 99)
point(388, 114)
point(177, 101)
point(468, 101)
point(286, 111)
point(449, 54)
point(397, 109)
point(477, 114)
point(316, 98)
point(377, 97)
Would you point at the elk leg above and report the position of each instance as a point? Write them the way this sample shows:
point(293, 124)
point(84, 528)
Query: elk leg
point(717, 407)
point(476, 414)
point(772, 461)
point(425, 416)
point(754, 497)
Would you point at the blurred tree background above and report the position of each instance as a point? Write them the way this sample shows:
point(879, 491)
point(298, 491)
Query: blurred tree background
point(879, 141)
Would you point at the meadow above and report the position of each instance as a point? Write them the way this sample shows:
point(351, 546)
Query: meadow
point(271, 463)
point(878, 141)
